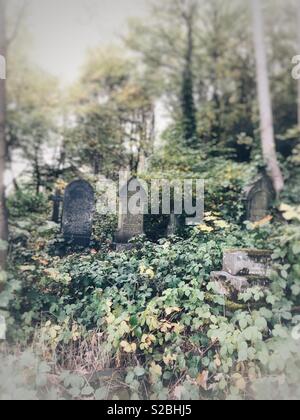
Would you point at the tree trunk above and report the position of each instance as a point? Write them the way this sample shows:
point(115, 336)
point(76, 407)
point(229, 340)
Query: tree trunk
point(187, 94)
point(37, 173)
point(264, 97)
point(3, 210)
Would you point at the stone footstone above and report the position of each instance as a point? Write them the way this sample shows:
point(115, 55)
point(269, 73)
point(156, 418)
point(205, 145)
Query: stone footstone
point(243, 269)
point(224, 280)
point(228, 283)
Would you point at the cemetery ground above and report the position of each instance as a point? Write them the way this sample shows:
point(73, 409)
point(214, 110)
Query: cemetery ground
point(150, 322)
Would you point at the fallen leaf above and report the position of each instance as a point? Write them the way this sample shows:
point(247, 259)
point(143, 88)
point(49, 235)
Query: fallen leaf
point(202, 379)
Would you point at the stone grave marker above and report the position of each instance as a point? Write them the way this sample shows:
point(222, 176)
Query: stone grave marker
point(78, 213)
point(173, 225)
point(259, 197)
point(242, 269)
point(57, 199)
point(130, 225)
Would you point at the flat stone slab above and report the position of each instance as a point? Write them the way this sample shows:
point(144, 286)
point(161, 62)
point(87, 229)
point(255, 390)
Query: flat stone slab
point(225, 279)
point(227, 282)
point(247, 262)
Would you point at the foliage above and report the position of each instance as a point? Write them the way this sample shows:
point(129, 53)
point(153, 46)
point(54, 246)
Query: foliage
point(23, 203)
point(32, 126)
point(109, 102)
point(153, 314)
point(160, 314)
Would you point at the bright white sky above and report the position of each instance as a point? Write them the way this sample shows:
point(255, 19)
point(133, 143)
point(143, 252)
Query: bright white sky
point(62, 30)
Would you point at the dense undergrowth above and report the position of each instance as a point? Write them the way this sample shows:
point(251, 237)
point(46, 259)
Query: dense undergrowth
point(151, 316)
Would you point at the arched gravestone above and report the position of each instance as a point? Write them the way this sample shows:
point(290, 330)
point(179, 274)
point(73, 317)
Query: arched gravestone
point(78, 213)
point(259, 197)
point(131, 225)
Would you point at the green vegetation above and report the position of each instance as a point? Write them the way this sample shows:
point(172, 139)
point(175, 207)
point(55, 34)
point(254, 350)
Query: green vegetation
point(151, 315)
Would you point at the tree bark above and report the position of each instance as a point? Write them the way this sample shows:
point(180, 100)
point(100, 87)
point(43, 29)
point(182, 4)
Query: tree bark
point(264, 97)
point(3, 148)
point(187, 90)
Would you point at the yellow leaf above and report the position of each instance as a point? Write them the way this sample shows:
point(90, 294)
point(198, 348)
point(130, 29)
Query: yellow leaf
point(110, 319)
point(206, 229)
point(128, 347)
point(147, 341)
point(165, 326)
point(217, 361)
point(221, 224)
point(202, 379)
point(150, 273)
point(262, 222)
point(143, 268)
point(171, 310)
point(169, 358)
point(177, 328)
point(210, 218)
point(290, 212)
point(53, 333)
point(60, 185)
point(155, 372)
point(208, 213)
point(147, 272)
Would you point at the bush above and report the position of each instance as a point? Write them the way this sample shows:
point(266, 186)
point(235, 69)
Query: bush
point(24, 202)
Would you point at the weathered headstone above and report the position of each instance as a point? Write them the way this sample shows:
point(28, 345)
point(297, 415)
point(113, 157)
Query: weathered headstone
point(78, 212)
point(173, 225)
point(57, 199)
point(130, 224)
point(259, 197)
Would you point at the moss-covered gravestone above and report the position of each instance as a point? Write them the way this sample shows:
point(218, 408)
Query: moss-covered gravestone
point(259, 197)
point(249, 262)
point(78, 213)
point(243, 269)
